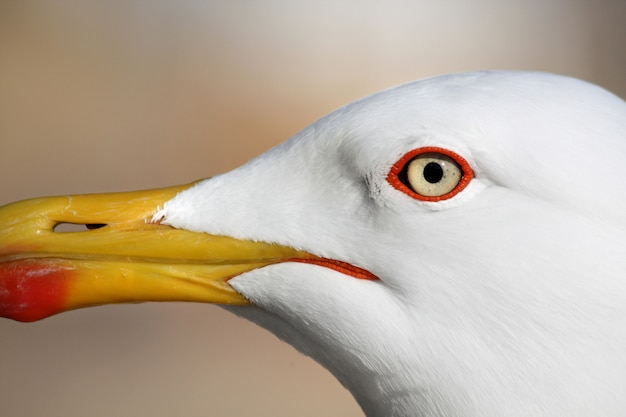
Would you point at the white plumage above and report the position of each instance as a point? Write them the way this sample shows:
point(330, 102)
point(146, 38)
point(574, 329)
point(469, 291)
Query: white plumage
point(507, 299)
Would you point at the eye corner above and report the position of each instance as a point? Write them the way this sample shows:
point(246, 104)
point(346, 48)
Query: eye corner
point(453, 174)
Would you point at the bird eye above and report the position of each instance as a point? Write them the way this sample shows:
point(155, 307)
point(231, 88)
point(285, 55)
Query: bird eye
point(430, 174)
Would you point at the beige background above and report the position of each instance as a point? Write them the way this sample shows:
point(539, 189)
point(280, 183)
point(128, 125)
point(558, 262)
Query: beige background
point(112, 95)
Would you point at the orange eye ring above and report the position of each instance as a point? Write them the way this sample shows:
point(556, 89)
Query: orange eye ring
point(430, 174)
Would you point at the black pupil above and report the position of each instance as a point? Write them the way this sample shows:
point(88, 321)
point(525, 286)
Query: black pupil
point(433, 172)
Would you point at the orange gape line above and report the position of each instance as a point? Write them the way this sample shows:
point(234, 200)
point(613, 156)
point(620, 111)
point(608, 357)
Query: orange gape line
point(343, 267)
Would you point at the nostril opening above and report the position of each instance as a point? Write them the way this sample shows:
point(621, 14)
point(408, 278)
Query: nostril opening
point(76, 227)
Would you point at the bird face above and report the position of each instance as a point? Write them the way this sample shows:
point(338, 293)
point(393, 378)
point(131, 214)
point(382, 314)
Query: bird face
point(435, 245)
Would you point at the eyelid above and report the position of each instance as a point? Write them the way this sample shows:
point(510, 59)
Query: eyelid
point(393, 177)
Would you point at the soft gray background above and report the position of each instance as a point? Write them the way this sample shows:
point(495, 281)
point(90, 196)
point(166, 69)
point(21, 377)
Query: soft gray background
point(117, 95)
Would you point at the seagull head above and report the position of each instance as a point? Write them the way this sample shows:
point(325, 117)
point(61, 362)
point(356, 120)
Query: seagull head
point(449, 247)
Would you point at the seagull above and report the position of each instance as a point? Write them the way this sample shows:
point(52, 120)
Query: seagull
point(454, 246)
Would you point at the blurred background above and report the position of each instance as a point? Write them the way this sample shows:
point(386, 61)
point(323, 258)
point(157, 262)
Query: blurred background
point(120, 95)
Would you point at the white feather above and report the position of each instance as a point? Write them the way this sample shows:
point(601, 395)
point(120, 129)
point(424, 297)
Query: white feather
point(505, 300)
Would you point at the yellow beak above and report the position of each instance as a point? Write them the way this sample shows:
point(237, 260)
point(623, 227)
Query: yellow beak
point(120, 257)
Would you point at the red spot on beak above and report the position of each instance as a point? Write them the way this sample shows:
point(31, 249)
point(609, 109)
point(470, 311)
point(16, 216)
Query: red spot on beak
point(32, 289)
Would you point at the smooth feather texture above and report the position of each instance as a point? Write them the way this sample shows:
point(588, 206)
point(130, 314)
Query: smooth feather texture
point(505, 300)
